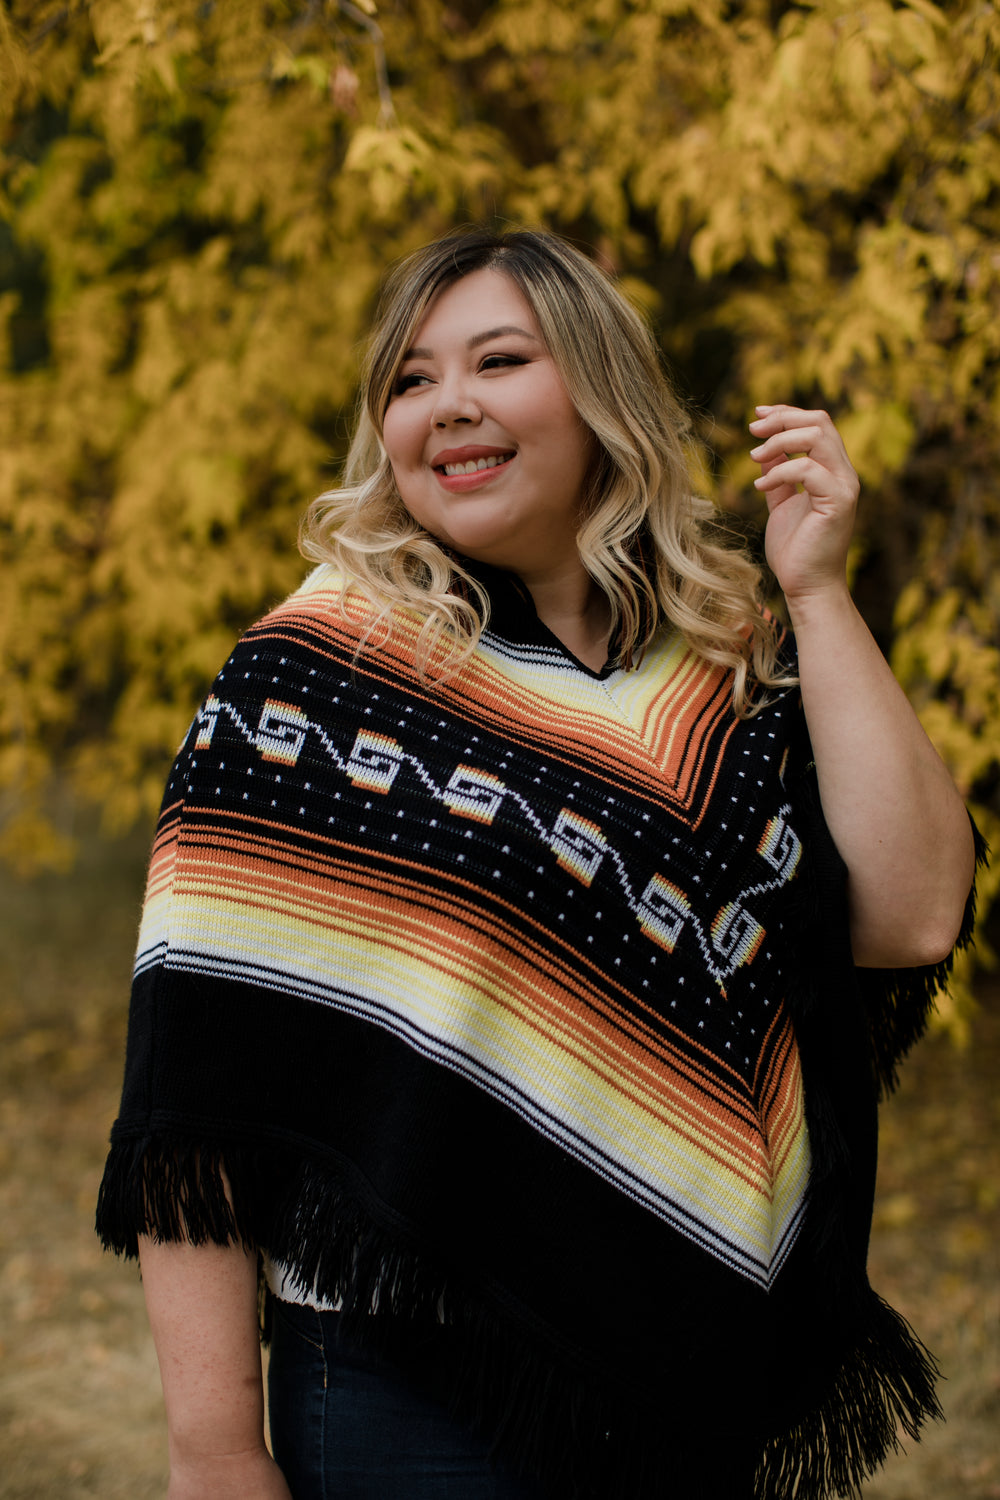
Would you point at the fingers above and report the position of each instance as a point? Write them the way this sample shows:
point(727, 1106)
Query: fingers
point(796, 471)
point(788, 430)
point(799, 447)
point(776, 418)
point(787, 443)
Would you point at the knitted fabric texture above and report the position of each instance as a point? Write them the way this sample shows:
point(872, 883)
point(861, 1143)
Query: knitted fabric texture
point(524, 1000)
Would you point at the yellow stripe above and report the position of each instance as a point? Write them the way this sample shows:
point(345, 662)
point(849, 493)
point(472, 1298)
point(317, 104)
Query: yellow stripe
point(519, 1028)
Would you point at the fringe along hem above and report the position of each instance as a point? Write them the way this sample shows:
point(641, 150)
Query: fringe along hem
point(549, 1416)
point(887, 1383)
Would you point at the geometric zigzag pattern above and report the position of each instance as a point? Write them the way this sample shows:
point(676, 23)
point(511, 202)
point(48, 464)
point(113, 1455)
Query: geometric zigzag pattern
point(412, 869)
point(580, 845)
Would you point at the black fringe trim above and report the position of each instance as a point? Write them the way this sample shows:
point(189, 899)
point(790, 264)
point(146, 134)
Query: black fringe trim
point(885, 1385)
point(175, 1189)
point(337, 1248)
point(580, 1431)
point(899, 1001)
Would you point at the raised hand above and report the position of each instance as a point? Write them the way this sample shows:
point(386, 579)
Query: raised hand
point(812, 494)
point(889, 802)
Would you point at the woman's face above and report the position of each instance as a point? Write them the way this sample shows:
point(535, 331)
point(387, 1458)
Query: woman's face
point(487, 449)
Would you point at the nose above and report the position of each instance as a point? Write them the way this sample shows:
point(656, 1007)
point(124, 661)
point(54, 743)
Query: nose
point(455, 402)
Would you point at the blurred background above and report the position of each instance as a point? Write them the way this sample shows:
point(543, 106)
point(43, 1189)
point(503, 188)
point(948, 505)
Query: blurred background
point(197, 201)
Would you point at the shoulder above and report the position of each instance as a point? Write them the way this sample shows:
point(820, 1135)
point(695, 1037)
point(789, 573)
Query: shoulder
point(276, 662)
point(320, 651)
point(319, 626)
point(323, 605)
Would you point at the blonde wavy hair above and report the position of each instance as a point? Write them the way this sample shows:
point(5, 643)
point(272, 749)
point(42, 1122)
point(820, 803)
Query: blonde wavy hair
point(651, 545)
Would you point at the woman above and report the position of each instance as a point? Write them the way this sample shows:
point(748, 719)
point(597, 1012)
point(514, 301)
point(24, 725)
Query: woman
point(497, 982)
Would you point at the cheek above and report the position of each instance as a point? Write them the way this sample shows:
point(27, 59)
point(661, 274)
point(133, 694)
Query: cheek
point(407, 470)
point(399, 436)
point(390, 438)
point(577, 446)
point(558, 426)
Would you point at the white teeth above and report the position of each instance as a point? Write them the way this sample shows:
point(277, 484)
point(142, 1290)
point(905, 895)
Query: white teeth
point(474, 466)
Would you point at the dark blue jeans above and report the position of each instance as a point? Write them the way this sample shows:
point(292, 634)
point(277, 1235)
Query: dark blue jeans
point(347, 1425)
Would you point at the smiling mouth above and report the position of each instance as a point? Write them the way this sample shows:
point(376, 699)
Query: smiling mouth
point(474, 465)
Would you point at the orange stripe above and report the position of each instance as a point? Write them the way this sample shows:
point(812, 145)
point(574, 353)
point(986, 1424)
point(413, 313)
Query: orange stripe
point(580, 1022)
point(529, 717)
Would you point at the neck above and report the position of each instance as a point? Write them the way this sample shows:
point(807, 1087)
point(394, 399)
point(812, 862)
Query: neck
point(576, 611)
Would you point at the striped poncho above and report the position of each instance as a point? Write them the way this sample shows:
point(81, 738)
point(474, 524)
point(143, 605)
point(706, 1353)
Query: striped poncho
point(524, 1001)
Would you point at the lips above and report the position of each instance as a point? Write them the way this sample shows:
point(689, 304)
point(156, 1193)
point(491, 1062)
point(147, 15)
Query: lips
point(462, 470)
point(470, 459)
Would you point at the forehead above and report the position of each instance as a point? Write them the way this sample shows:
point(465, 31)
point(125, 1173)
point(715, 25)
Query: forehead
point(481, 301)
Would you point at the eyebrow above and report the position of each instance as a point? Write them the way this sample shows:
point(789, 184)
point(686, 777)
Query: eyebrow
point(475, 341)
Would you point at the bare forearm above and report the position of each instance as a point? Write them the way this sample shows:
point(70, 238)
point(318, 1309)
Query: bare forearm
point(889, 801)
point(202, 1305)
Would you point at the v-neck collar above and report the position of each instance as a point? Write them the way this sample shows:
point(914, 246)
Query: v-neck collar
point(514, 617)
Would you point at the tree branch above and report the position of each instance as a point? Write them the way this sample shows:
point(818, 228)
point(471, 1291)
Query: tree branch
point(387, 110)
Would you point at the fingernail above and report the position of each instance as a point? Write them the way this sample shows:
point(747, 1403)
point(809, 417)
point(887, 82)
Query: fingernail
point(759, 483)
point(763, 410)
point(755, 451)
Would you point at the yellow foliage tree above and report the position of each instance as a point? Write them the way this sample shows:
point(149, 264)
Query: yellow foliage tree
point(197, 200)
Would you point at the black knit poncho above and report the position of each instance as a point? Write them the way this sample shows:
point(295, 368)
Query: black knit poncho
point(526, 1001)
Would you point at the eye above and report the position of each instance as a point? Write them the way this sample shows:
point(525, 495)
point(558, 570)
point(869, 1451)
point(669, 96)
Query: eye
point(502, 361)
point(409, 383)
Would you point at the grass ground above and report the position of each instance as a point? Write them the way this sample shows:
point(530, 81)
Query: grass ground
point(80, 1410)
